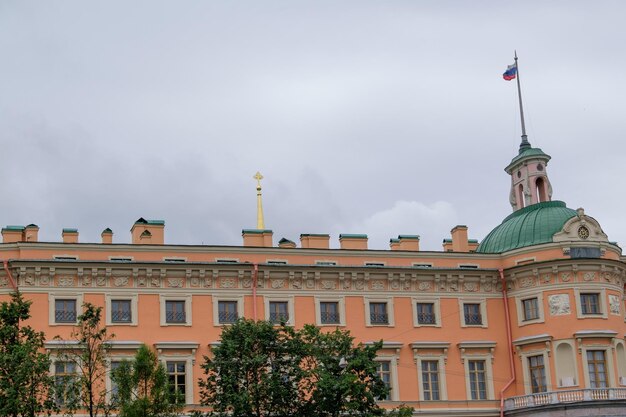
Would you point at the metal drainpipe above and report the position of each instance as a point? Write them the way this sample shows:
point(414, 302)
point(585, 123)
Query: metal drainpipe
point(255, 276)
point(509, 340)
point(8, 271)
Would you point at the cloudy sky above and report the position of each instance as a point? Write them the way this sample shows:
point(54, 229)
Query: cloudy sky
point(376, 117)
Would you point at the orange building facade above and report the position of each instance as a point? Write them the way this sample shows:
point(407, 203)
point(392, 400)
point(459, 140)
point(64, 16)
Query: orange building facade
point(529, 320)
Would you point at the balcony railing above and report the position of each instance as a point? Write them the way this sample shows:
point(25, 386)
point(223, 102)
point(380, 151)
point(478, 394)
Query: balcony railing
point(227, 317)
point(426, 318)
point(175, 317)
point(279, 317)
point(564, 397)
point(64, 316)
point(121, 317)
point(329, 317)
point(473, 319)
point(379, 318)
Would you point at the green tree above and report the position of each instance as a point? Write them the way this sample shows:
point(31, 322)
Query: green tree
point(143, 389)
point(261, 370)
point(255, 371)
point(26, 387)
point(343, 377)
point(88, 351)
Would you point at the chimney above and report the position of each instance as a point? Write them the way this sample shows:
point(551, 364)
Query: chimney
point(12, 234)
point(107, 236)
point(148, 232)
point(394, 244)
point(315, 241)
point(70, 235)
point(286, 243)
point(459, 239)
point(409, 242)
point(347, 241)
point(31, 233)
point(257, 237)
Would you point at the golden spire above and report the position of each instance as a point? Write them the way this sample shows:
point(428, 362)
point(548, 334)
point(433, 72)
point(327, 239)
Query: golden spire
point(260, 224)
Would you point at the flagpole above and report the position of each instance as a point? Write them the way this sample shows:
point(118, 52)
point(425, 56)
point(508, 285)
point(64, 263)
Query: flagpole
point(525, 144)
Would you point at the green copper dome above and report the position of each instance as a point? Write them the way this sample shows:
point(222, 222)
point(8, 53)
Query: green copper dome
point(532, 225)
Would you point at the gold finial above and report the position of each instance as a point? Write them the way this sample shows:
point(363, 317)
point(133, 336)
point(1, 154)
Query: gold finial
point(260, 223)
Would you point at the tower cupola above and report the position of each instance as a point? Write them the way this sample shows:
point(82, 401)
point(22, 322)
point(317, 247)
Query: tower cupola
point(529, 177)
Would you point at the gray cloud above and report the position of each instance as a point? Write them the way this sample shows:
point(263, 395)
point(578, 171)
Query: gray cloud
point(112, 111)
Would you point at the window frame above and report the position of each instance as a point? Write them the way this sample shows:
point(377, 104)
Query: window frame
point(486, 354)
point(341, 310)
point(189, 360)
point(436, 311)
point(216, 308)
point(53, 297)
point(441, 371)
point(482, 303)
point(608, 363)
point(134, 308)
point(602, 303)
point(53, 372)
point(290, 307)
point(390, 311)
point(521, 318)
point(163, 298)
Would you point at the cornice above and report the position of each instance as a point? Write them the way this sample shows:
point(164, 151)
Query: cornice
point(540, 338)
point(255, 250)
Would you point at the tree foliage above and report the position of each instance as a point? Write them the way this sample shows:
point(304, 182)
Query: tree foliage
point(260, 370)
point(26, 387)
point(143, 389)
point(89, 353)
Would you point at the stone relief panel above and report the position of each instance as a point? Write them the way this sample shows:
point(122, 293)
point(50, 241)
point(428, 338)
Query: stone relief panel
point(175, 282)
point(227, 283)
point(378, 285)
point(614, 304)
point(559, 304)
point(66, 281)
point(328, 284)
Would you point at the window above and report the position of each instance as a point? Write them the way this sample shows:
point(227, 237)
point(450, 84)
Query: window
point(430, 380)
point(121, 311)
point(531, 309)
point(590, 303)
point(537, 373)
point(175, 311)
point(227, 261)
point(65, 258)
point(472, 314)
point(65, 310)
point(422, 265)
point(114, 388)
point(279, 311)
point(374, 264)
point(176, 377)
point(378, 313)
point(384, 373)
point(596, 366)
point(227, 312)
point(272, 262)
point(66, 390)
point(326, 263)
point(468, 266)
point(426, 313)
point(174, 259)
point(477, 379)
point(329, 312)
point(120, 259)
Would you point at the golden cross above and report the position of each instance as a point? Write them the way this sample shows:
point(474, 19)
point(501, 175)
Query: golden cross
point(258, 177)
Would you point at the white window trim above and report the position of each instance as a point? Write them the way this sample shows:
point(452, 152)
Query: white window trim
point(441, 368)
point(341, 308)
point(216, 309)
point(524, 355)
point(134, 310)
point(189, 360)
point(393, 367)
point(186, 298)
point(601, 298)
point(519, 302)
point(488, 358)
point(608, 355)
point(290, 307)
point(483, 311)
point(436, 309)
point(108, 383)
point(62, 296)
point(390, 315)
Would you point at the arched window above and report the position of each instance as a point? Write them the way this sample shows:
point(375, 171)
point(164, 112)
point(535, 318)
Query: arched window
point(541, 190)
point(520, 196)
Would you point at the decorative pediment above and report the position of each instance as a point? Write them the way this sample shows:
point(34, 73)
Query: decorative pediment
point(581, 228)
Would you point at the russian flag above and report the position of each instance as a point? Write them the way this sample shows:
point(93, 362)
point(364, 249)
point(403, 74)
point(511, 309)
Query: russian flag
point(510, 73)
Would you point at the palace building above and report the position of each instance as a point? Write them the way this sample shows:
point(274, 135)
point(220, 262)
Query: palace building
point(528, 321)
